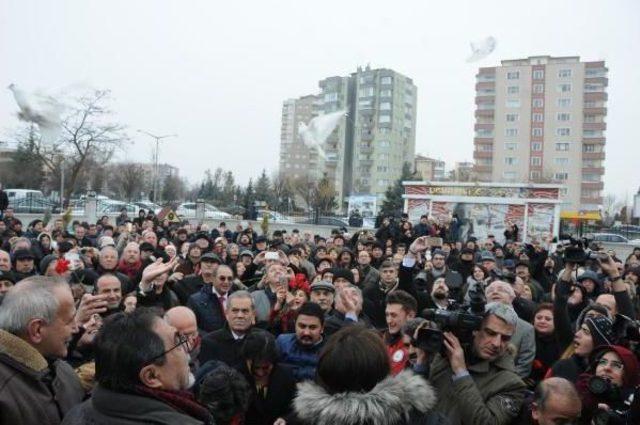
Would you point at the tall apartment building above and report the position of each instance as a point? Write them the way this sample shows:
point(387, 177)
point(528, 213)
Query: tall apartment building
point(296, 159)
point(365, 153)
point(542, 119)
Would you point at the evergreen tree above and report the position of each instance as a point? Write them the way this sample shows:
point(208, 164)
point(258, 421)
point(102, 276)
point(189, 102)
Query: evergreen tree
point(393, 203)
point(263, 188)
point(248, 199)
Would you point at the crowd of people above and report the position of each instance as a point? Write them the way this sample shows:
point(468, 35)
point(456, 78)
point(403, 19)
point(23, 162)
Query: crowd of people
point(141, 320)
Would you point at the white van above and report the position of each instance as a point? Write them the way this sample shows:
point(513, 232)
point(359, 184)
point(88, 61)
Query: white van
point(14, 194)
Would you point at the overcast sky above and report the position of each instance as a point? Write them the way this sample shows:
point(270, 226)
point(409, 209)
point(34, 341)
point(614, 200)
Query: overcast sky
point(216, 73)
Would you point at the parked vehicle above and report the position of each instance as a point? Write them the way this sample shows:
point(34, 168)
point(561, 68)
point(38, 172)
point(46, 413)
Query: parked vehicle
point(613, 238)
point(148, 206)
point(14, 194)
point(188, 210)
point(328, 221)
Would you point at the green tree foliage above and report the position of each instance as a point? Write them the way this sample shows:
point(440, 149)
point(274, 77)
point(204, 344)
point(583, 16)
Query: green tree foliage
point(393, 203)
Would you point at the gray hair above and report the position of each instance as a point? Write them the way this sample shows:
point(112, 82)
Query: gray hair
point(33, 298)
point(241, 294)
point(502, 311)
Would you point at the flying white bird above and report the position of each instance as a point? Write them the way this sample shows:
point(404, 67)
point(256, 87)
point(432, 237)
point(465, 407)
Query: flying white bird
point(318, 130)
point(40, 109)
point(482, 49)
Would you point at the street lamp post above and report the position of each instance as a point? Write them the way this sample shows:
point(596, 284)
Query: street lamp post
point(155, 166)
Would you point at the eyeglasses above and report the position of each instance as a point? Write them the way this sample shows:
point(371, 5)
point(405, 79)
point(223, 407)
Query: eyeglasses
point(225, 278)
point(614, 364)
point(180, 341)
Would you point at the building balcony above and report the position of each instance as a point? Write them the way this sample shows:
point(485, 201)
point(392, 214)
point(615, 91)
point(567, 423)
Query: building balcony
point(483, 140)
point(593, 185)
point(486, 85)
point(483, 127)
point(594, 64)
point(593, 140)
point(485, 99)
point(595, 111)
point(593, 155)
point(597, 80)
point(365, 148)
point(595, 96)
point(365, 162)
point(597, 201)
point(482, 168)
point(482, 154)
point(484, 113)
point(593, 170)
point(598, 126)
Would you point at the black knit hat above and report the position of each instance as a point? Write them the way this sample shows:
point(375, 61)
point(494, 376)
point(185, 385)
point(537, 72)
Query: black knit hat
point(601, 330)
point(344, 273)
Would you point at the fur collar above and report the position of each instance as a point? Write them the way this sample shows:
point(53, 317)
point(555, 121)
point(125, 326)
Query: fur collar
point(20, 351)
point(389, 402)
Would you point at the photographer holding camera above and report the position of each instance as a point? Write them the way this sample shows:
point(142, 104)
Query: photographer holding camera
point(478, 384)
point(607, 389)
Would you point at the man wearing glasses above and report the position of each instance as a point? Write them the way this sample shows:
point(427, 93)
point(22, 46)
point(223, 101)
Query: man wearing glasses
point(142, 372)
point(210, 303)
point(184, 320)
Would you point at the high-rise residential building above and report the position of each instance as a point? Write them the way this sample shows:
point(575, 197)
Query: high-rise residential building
point(429, 169)
point(296, 159)
point(366, 152)
point(542, 119)
point(384, 129)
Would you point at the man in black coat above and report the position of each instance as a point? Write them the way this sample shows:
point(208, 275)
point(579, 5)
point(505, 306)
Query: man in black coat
point(224, 344)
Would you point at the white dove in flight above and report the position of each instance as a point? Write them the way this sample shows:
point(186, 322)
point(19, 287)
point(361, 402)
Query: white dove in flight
point(482, 49)
point(319, 129)
point(39, 109)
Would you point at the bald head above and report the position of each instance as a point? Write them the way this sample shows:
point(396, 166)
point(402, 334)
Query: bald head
point(183, 319)
point(555, 399)
point(608, 301)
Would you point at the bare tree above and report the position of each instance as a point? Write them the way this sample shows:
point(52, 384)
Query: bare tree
point(128, 179)
point(611, 206)
point(305, 187)
point(87, 135)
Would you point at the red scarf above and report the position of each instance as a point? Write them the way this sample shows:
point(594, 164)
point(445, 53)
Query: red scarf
point(182, 401)
point(131, 270)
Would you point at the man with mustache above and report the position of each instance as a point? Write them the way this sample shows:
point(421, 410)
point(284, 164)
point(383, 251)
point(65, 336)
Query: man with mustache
point(300, 350)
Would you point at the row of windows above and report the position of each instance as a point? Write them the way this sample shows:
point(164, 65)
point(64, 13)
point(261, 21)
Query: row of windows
point(537, 117)
point(539, 103)
point(537, 161)
point(562, 131)
point(538, 74)
point(559, 146)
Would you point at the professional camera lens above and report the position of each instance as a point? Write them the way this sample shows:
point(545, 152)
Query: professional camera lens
point(598, 385)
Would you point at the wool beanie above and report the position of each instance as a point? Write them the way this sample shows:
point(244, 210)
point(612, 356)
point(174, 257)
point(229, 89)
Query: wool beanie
point(601, 330)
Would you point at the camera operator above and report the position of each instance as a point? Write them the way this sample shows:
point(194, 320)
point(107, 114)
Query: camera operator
point(478, 384)
point(419, 356)
point(607, 389)
point(523, 339)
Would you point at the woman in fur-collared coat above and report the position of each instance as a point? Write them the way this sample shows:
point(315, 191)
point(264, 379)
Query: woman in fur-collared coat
point(354, 387)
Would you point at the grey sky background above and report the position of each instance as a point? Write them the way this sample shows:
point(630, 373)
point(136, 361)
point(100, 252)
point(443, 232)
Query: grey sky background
point(216, 73)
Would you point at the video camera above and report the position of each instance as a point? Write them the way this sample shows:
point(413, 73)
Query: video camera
point(581, 250)
point(461, 322)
